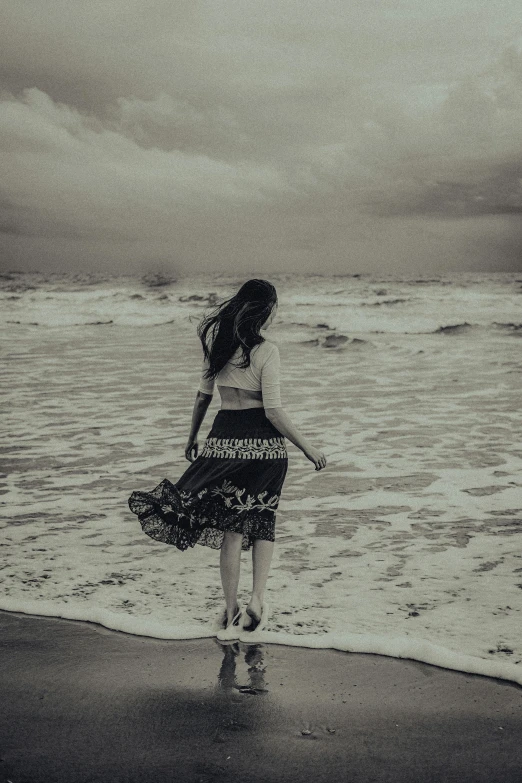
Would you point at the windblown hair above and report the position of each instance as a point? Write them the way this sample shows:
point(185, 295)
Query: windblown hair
point(235, 323)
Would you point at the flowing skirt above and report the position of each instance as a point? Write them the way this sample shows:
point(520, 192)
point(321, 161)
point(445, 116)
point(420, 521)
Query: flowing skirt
point(234, 484)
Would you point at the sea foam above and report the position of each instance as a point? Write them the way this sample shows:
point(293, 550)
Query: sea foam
point(390, 646)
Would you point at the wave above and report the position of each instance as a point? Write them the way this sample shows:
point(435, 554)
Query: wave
point(405, 647)
point(426, 280)
point(77, 324)
point(335, 341)
point(384, 302)
point(57, 282)
point(18, 288)
point(454, 328)
point(210, 299)
point(320, 334)
point(80, 323)
point(511, 327)
point(466, 328)
point(156, 280)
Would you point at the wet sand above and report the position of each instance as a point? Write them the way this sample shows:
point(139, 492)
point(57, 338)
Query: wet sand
point(82, 703)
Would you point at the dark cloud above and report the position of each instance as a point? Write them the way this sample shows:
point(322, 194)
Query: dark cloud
point(498, 194)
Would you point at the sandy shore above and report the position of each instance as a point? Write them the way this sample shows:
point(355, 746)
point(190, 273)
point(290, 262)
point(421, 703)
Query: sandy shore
point(82, 703)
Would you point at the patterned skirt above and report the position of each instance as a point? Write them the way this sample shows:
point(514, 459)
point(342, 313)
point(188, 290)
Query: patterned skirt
point(234, 484)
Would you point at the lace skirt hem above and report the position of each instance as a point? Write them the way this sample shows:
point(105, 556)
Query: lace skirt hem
point(184, 519)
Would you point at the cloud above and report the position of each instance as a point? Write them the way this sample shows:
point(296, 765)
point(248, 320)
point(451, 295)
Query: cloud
point(71, 176)
point(221, 134)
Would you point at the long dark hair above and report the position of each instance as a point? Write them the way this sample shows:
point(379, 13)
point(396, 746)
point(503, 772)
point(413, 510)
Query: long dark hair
point(236, 322)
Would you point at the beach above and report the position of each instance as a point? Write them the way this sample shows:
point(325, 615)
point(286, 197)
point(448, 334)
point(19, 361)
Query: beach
point(406, 545)
point(343, 181)
point(82, 703)
point(393, 649)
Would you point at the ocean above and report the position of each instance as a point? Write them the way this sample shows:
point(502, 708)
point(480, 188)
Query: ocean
point(407, 544)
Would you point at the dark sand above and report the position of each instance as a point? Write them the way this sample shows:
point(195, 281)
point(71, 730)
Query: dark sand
point(82, 704)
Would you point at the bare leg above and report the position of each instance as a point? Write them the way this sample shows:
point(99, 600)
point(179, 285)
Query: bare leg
point(261, 558)
point(230, 565)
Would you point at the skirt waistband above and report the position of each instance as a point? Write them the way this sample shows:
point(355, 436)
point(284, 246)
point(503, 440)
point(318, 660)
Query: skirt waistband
point(241, 413)
point(243, 423)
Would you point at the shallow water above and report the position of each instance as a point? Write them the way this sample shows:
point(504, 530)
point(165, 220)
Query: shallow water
point(411, 531)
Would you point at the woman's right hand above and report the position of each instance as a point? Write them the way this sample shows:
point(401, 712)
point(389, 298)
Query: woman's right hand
point(317, 457)
point(191, 449)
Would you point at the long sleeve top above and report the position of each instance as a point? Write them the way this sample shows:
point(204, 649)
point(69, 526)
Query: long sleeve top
point(263, 374)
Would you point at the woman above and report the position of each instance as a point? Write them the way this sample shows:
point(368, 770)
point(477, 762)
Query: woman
point(228, 496)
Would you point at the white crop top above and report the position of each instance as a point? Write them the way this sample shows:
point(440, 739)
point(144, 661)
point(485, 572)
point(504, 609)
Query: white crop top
point(262, 375)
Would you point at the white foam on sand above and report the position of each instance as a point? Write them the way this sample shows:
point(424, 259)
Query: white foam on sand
point(406, 545)
point(390, 646)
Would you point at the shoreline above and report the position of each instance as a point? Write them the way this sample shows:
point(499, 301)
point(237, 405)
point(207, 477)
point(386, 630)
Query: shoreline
point(410, 533)
point(86, 703)
point(396, 647)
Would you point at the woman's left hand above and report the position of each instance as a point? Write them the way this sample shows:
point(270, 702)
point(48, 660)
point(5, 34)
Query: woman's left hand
point(191, 449)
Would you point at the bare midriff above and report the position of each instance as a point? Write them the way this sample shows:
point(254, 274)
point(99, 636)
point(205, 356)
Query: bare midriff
point(234, 399)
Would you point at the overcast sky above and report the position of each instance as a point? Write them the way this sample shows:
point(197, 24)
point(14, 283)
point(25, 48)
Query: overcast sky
point(312, 135)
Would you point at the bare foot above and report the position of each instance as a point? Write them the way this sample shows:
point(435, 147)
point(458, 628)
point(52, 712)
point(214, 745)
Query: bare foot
point(230, 616)
point(253, 611)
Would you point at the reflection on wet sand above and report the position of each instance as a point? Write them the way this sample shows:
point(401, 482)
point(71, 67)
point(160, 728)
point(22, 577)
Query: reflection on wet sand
point(254, 657)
